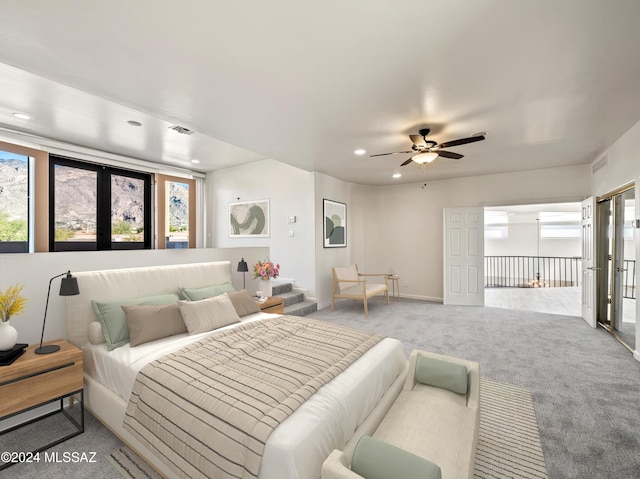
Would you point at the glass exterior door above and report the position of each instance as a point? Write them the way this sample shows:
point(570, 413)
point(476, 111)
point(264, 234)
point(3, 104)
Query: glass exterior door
point(616, 288)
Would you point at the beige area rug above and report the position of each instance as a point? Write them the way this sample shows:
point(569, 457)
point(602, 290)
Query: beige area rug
point(131, 465)
point(508, 441)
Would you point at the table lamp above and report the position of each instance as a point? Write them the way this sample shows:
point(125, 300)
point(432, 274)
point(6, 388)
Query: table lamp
point(68, 287)
point(243, 267)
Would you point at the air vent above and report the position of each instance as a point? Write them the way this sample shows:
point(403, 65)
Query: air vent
point(601, 163)
point(182, 130)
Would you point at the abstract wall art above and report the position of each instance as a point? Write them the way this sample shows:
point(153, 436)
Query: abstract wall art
point(335, 224)
point(249, 219)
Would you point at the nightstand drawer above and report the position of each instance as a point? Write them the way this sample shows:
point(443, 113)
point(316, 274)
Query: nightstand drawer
point(34, 379)
point(273, 305)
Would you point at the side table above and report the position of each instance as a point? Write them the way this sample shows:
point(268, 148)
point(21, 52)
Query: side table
point(395, 283)
point(34, 380)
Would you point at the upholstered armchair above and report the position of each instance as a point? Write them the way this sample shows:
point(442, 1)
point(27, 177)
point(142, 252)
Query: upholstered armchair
point(348, 283)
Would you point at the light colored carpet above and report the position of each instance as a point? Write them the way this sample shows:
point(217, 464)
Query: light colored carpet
point(585, 385)
point(508, 441)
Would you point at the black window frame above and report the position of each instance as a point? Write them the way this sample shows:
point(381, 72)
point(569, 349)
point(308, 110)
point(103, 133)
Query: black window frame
point(103, 214)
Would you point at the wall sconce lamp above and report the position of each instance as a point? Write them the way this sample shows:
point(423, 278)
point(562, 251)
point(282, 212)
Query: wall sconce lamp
point(68, 287)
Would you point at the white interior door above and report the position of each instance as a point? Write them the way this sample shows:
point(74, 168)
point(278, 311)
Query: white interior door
point(464, 256)
point(589, 268)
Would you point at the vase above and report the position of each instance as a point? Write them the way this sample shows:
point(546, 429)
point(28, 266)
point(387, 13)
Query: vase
point(8, 336)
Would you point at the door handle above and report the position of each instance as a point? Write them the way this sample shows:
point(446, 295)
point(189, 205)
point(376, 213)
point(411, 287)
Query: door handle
point(594, 268)
point(620, 270)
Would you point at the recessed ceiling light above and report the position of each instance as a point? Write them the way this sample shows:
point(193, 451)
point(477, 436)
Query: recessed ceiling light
point(134, 123)
point(195, 161)
point(22, 116)
point(360, 151)
point(397, 175)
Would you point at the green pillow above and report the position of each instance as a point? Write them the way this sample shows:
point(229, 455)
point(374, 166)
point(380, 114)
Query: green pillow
point(442, 374)
point(114, 321)
point(196, 294)
point(375, 459)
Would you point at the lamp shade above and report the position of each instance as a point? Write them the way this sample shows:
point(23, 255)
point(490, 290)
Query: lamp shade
point(426, 157)
point(69, 286)
point(243, 267)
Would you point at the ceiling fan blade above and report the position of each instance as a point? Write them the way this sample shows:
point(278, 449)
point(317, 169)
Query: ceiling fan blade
point(449, 154)
point(393, 153)
point(405, 163)
point(461, 141)
point(418, 140)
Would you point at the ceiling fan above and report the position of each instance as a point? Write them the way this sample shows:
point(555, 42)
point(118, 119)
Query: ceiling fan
point(427, 150)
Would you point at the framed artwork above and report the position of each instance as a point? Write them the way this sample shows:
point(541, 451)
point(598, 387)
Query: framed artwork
point(335, 224)
point(249, 219)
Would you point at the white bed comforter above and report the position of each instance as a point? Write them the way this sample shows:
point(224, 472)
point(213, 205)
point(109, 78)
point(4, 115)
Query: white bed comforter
point(296, 448)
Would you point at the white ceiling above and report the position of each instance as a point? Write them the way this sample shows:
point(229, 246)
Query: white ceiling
point(552, 82)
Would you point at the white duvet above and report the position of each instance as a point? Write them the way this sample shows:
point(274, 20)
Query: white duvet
point(296, 448)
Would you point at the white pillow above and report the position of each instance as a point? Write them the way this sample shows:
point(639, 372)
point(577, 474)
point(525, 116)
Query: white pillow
point(208, 314)
point(96, 336)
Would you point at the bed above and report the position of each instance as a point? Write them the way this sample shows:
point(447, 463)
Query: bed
point(334, 417)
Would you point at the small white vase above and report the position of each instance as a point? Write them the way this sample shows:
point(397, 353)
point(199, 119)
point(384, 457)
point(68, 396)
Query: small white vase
point(8, 336)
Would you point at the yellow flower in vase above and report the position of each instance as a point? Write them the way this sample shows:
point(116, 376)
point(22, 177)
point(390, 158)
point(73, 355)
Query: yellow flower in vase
point(12, 302)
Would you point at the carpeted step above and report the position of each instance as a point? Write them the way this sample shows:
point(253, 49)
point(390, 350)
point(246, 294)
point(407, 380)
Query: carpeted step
point(278, 289)
point(301, 308)
point(291, 297)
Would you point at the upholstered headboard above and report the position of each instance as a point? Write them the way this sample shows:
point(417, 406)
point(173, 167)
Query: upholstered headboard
point(114, 284)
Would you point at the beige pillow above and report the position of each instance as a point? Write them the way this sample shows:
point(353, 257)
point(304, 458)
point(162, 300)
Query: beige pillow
point(243, 303)
point(208, 314)
point(148, 323)
point(96, 336)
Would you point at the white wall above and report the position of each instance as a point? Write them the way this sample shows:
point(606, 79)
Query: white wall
point(523, 241)
point(623, 159)
point(327, 187)
point(290, 193)
point(404, 227)
point(35, 270)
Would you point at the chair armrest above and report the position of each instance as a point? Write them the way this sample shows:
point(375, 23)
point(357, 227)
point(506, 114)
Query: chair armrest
point(336, 467)
point(382, 275)
point(351, 280)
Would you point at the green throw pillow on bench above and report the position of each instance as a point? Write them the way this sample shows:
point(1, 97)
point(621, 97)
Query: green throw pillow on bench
point(442, 374)
point(375, 459)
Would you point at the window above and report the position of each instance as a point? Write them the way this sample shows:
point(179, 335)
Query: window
point(178, 208)
point(560, 231)
point(176, 212)
point(97, 207)
point(14, 202)
point(496, 232)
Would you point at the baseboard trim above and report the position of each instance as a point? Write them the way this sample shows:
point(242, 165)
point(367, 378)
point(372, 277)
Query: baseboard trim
point(419, 297)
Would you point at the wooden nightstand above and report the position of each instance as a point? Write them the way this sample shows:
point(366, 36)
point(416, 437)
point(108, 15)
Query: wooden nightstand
point(273, 304)
point(34, 380)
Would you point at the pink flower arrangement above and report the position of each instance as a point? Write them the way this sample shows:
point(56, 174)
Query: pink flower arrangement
point(266, 270)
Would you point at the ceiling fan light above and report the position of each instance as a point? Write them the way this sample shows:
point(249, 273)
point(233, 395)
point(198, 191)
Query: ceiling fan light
point(426, 157)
